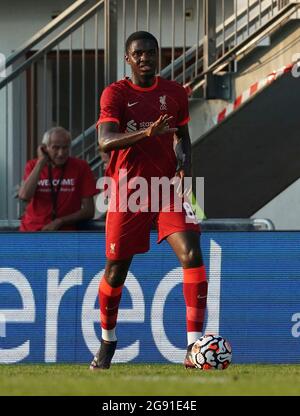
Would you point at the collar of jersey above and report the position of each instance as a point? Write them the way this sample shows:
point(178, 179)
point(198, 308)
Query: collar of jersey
point(143, 89)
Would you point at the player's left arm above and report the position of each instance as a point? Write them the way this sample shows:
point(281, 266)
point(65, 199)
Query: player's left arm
point(183, 151)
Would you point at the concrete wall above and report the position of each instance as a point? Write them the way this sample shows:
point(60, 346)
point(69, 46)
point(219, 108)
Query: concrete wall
point(202, 113)
point(19, 20)
point(284, 209)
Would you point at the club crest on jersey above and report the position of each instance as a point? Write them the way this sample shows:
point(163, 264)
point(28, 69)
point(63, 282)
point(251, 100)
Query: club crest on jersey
point(163, 104)
point(112, 248)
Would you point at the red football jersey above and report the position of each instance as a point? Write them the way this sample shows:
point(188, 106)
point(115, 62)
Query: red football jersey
point(135, 108)
point(78, 182)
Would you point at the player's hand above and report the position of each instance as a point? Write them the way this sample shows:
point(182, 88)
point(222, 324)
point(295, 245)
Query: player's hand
point(53, 225)
point(160, 126)
point(183, 171)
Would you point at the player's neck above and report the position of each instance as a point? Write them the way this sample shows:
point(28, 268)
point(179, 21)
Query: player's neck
point(143, 82)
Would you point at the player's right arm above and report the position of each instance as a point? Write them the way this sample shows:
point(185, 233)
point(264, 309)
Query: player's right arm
point(111, 139)
point(28, 186)
point(112, 104)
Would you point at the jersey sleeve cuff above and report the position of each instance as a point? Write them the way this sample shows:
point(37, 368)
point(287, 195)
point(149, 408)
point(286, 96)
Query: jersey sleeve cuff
point(106, 119)
point(183, 122)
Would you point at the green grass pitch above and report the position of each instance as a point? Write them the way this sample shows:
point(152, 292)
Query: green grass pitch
point(147, 380)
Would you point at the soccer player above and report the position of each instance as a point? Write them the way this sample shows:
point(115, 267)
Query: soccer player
point(138, 120)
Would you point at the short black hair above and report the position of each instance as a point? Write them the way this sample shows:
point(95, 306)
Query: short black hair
point(140, 35)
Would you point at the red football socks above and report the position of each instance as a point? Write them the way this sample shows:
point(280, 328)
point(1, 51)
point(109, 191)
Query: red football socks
point(109, 299)
point(195, 295)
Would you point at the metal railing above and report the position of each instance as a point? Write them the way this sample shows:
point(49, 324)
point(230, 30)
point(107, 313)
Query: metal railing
point(285, 10)
point(45, 31)
point(231, 33)
point(237, 224)
point(46, 85)
point(219, 224)
point(56, 77)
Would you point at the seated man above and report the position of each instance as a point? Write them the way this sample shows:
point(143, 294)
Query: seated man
point(59, 188)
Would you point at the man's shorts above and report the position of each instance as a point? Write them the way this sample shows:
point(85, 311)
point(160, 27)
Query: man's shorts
point(128, 233)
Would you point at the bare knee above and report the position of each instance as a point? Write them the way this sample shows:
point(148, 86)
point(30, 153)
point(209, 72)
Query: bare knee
point(116, 272)
point(190, 257)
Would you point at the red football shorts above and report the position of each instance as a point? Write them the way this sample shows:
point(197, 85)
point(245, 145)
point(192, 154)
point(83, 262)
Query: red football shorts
point(128, 233)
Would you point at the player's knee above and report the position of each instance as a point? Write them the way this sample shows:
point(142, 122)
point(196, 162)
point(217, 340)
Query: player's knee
point(115, 274)
point(190, 258)
point(115, 279)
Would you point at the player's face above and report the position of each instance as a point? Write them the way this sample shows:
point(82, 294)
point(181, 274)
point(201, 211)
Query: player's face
point(142, 57)
point(59, 148)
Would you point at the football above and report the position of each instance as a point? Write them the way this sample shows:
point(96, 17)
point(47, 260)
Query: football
point(211, 352)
